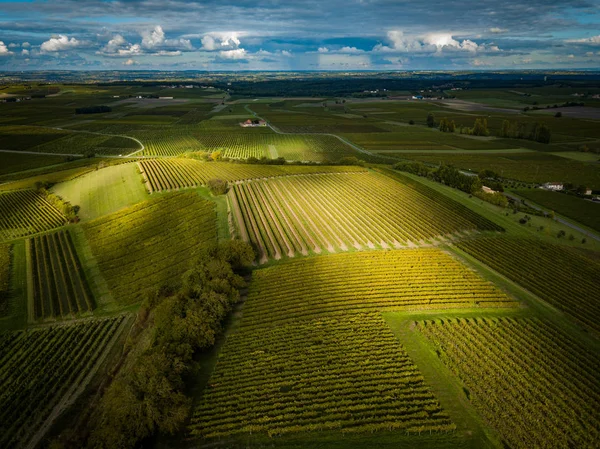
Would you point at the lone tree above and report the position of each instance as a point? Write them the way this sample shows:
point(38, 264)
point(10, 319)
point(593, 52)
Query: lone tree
point(480, 128)
point(217, 186)
point(431, 120)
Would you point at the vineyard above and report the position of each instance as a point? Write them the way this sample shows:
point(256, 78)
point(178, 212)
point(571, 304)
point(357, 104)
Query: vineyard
point(42, 368)
point(533, 383)
point(170, 146)
point(541, 268)
point(410, 279)
point(26, 137)
point(242, 145)
point(176, 173)
point(5, 265)
point(151, 243)
point(312, 351)
point(328, 374)
point(530, 167)
point(285, 216)
point(24, 212)
point(82, 143)
point(59, 287)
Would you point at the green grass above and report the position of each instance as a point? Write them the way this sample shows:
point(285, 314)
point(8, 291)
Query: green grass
point(443, 383)
point(580, 210)
point(103, 191)
point(5, 267)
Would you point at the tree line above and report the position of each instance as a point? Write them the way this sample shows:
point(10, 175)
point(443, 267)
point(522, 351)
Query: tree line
point(148, 394)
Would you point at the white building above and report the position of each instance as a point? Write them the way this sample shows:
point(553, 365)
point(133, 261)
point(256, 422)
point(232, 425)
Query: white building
point(553, 186)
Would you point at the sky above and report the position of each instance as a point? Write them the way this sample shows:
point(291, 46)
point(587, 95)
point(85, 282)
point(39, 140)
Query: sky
point(343, 35)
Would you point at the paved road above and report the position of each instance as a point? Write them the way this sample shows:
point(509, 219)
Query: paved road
point(347, 142)
point(88, 132)
point(560, 220)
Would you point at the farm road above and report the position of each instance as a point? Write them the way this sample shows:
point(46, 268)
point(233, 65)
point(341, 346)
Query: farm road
point(560, 220)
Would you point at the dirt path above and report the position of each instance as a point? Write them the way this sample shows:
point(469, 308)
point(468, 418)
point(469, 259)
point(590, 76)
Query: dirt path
point(273, 152)
point(237, 213)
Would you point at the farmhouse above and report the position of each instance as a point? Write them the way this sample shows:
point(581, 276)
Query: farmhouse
point(253, 123)
point(553, 186)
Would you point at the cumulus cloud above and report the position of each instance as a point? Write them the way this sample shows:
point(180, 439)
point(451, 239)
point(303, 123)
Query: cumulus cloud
point(323, 50)
point(130, 62)
point(238, 53)
point(59, 43)
point(400, 43)
point(155, 39)
point(130, 50)
point(209, 43)
point(430, 43)
point(114, 44)
point(220, 41)
point(13, 45)
point(286, 53)
point(350, 50)
point(25, 45)
point(153, 42)
point(445, 40)
point(4, 51)
point(24, 52)
point(594, 40)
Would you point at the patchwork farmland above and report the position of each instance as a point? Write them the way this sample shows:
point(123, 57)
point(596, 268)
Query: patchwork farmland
point(338, 277)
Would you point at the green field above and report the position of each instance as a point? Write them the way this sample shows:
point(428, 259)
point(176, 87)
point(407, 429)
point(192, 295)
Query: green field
point(25, 212)
point(5, 267)
point(176, 173)
point(59, 288)
point(103, 191)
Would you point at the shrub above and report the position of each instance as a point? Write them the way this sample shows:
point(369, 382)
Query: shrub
point(217, 186)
